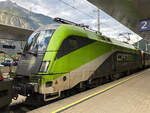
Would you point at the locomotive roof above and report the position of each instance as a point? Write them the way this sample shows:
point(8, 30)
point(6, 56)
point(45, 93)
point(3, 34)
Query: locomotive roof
point(99, 37)
point(116, 42)
point(89, 33)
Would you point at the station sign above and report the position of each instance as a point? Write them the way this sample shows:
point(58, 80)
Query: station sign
point(9, 46)
point(144, 25)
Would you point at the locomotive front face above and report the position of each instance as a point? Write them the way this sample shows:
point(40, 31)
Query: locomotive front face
point(31, 62)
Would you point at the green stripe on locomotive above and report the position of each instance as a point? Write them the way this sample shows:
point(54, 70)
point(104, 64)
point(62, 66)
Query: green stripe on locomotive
point(76, 58)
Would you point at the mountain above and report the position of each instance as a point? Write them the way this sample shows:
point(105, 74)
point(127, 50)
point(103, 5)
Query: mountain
point(13, 14)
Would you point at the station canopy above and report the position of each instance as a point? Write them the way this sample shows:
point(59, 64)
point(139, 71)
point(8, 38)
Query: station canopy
point(134, 14)
point(14, 33)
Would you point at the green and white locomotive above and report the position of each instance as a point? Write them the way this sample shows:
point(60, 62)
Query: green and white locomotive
point(63, 56)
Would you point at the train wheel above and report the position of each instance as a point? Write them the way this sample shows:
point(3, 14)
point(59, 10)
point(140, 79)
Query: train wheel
point(116, 76)
point(81, 86)
point(63, 95)
point(35, 100)
point(128, 72)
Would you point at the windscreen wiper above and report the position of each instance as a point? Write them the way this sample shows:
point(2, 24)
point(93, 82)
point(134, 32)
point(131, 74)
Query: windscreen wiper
point(29, 52)
point(33, 53)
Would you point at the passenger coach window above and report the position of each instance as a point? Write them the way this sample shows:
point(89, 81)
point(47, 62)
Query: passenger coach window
point(72, 44)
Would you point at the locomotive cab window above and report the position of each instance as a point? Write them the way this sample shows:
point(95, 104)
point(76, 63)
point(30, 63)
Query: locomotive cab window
point(39, 41)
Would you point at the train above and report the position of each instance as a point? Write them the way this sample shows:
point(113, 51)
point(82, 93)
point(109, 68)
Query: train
point(62, 56)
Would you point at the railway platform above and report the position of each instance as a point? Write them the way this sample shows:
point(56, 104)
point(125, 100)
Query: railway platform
point(130, 94)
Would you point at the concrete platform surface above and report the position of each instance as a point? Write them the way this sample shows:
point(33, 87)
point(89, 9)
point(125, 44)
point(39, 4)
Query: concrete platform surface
point(127, 95)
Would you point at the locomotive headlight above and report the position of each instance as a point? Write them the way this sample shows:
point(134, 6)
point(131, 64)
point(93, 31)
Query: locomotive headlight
point(44, 66)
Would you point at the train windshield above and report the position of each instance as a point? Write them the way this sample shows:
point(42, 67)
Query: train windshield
point(38, 41)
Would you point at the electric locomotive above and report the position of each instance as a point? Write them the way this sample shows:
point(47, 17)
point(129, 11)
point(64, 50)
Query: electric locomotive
point(62, 56)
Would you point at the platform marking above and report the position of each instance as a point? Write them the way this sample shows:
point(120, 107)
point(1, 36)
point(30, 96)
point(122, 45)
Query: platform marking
point(93, 95)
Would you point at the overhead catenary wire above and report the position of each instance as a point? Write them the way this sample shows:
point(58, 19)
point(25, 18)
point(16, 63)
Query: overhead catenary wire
point(83, 12)
point(76, 9)
point(24, 17)
point(76, 19)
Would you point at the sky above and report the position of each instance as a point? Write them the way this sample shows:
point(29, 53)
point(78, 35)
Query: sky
point(79, 11)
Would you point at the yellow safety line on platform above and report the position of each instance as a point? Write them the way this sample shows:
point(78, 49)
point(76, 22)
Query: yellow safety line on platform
point(85, 98)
